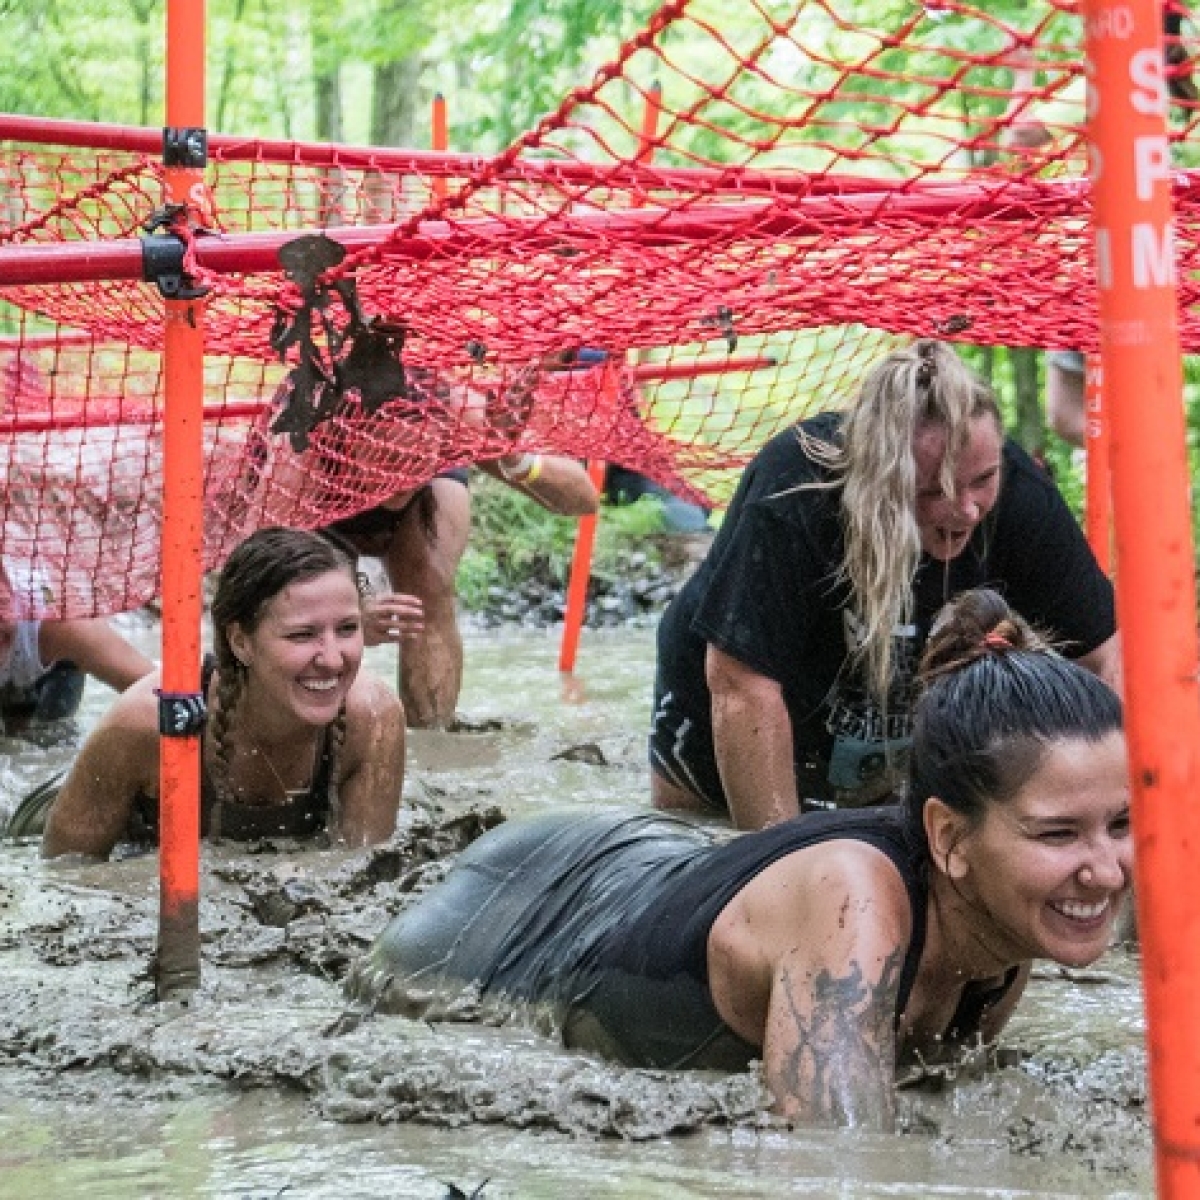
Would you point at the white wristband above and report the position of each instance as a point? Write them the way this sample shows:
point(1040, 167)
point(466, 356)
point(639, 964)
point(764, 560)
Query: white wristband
point(519, 471)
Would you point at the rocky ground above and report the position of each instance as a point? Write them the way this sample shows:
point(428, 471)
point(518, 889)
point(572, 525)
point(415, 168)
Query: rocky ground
point(645, 579)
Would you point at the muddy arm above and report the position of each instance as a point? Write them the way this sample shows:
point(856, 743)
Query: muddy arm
point(95, 647)
point(559, 484)
point(752, 736)
point(118, 762)
point(807, 960)
point(373, 763)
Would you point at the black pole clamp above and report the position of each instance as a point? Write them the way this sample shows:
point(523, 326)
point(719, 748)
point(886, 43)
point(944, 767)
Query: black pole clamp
point(163, 253)
point(180, 714)
point(162, 259)
point(186, 146)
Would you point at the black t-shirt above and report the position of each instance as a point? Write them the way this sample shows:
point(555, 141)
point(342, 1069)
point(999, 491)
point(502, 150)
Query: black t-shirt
point(768, 594)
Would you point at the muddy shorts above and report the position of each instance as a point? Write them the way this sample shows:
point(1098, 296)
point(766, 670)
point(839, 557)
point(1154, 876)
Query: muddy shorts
point(54, 696)
point(371, 531)
point(681, 751)
point(542, 911)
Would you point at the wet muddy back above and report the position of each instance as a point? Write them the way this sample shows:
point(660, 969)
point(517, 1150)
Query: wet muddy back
point(267, 1084)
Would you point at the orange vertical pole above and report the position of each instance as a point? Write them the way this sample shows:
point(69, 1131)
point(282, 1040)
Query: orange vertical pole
point(585, 536)
point(585, 540)
point(1139, 338)
point(581, 572)
point(177, 967)
point(1098, 515)
point(439, 140)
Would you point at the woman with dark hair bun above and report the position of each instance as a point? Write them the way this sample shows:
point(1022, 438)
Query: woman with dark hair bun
point(831, 946)
point(298, 740)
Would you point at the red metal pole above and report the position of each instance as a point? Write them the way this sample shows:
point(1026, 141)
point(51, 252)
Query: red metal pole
point(585, 540)
point(577, 582)
point(663, 372)
point(1098, 517)
point(177, 965)
point(250, 253)
point(1139, 338)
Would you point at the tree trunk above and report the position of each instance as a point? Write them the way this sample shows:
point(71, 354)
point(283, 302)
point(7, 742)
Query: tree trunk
point(148, 91)
point(328, 95)
point(1029, 420)
point(327, 90)
point(987, 367)
point(229, 71)
point(395, 101)
point(394, 120)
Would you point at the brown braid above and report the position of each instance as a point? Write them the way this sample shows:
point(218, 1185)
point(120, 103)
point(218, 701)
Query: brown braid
point(230, 682)
point(977, 625)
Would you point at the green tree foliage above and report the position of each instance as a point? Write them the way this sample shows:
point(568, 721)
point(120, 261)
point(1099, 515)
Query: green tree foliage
point(100, 64)
point(288, 70)
point(359, 70)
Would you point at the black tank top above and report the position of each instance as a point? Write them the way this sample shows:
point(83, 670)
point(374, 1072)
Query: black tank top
point(301, 816)
point(647, 987)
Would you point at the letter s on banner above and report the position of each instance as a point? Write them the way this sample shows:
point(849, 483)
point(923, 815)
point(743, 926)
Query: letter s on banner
point(1149, 95)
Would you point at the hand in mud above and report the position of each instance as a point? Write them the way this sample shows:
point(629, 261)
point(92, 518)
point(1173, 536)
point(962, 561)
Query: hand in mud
point(392, 617)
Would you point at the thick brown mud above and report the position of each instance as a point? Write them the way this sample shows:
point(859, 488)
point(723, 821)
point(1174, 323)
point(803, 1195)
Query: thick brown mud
point(268, 1082)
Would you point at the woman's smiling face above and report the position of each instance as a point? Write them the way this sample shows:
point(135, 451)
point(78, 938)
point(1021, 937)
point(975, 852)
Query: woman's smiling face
point(306, 650)
point(947, 522)
point(1051, 867)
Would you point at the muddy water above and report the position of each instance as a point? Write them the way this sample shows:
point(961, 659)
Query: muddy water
point(265, 1085)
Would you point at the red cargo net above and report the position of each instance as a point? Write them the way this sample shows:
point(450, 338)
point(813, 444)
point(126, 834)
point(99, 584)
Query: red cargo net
point(742, 218)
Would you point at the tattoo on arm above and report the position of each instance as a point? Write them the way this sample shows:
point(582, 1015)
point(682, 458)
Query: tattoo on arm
point(840, 1067)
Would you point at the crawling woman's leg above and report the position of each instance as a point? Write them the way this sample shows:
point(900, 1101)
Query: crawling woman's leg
point(431, 666)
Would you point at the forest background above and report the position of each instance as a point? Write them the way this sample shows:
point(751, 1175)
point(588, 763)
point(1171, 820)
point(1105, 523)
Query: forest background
point(366, 72)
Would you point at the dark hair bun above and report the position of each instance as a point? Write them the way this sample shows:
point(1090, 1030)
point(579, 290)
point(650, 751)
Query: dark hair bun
point(972, 626)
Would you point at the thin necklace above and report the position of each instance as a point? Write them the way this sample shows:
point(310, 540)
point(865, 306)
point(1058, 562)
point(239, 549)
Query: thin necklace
point(288, 793)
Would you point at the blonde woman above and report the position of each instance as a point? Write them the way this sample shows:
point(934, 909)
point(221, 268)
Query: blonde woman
point(786, 664)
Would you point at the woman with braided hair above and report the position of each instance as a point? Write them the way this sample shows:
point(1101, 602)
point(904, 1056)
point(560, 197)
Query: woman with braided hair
point(298, 739)
point(832, 946)
point(786, 663)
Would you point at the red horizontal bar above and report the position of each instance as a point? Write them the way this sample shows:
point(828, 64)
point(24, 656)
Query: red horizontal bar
point(98, 418)
point(250, 253)
point(70, 262)
point(639, 176)
point(661, 372)
point(44, 341)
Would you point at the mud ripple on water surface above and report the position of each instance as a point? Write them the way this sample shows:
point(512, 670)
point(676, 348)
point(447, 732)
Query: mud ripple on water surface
point(1066, 1115)
point(280, 929)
